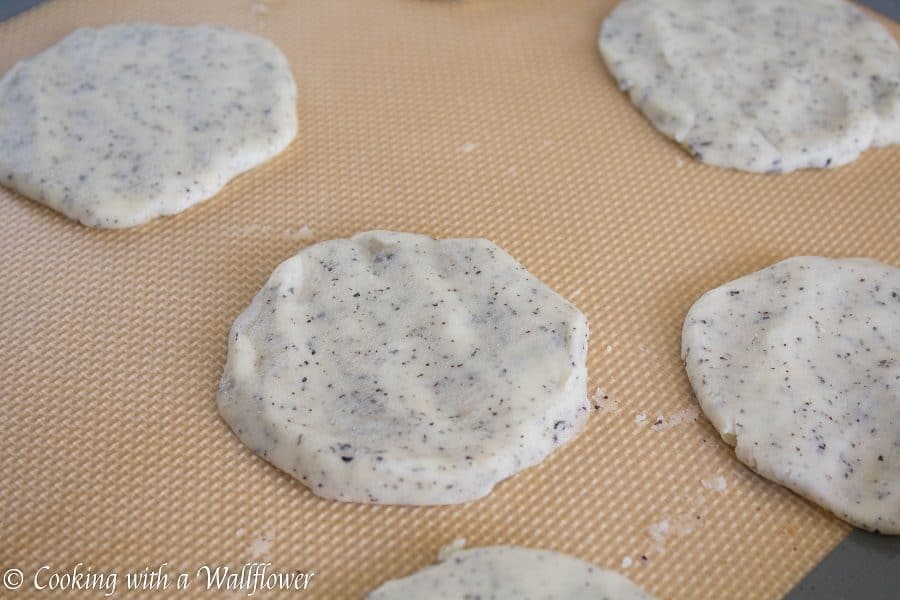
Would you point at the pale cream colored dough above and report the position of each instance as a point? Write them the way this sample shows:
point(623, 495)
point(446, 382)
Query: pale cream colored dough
point(393, 368)
point(798, 367)
point(511, 573)
point(759, 85)
point(118, 125)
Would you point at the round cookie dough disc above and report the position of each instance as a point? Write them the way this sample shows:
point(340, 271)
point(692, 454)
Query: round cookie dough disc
point(511, 573)
point(393, 368)
point(117, 125)
point(798, 366)
point(759, 85)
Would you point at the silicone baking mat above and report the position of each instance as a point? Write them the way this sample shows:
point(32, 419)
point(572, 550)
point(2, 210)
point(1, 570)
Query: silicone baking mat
point(493, 118)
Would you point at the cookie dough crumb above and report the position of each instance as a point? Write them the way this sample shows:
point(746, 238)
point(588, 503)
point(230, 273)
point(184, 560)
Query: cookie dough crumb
point(716, 484)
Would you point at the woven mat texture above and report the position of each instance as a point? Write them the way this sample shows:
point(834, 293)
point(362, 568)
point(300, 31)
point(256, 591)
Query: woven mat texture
point(493, 118)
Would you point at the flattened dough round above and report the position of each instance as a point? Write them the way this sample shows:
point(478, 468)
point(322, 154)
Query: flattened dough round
point(117, 125)
point(511, 573)
point(798, 366)
point(393, 368)
point(759, 85)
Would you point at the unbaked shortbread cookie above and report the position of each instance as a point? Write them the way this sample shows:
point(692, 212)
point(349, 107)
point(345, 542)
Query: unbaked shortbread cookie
point(118, 125)
point(511, 573)
point(798, 366)
point(759, 85)
point(393, 368)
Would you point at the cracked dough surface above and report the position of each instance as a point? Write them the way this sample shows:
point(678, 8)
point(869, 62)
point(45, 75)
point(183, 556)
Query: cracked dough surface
point(118, 125)
point(798, 366)
point(393, 368)
point(511, 573)
point(759, 85)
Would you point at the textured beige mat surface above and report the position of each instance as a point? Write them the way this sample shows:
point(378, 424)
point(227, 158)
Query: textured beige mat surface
point(491, 118)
